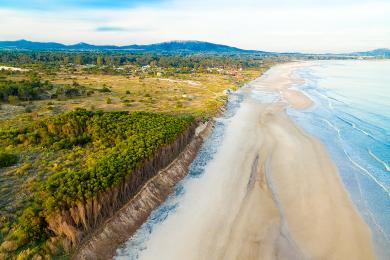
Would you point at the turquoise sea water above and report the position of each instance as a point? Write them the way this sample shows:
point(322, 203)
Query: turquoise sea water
point(351, 116)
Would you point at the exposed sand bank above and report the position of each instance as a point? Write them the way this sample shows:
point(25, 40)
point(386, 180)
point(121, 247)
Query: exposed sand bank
point(280, 79)
point(271, 192)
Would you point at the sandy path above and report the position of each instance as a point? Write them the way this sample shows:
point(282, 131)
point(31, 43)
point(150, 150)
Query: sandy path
point(271, 192)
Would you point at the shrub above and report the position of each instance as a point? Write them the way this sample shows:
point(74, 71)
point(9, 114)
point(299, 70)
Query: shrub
point(8, 246)
point(31, 225)
point(108, 100)
point(70, 91)
point(13, 99)
point(24, 90)
point(105, 89)
point(25, 254)
point(7, 159)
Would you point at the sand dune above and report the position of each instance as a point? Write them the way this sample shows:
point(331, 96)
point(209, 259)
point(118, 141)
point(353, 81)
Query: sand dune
point(271, 192)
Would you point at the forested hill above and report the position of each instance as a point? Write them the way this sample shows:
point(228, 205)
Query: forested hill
point(376, 53)
point(170, 47)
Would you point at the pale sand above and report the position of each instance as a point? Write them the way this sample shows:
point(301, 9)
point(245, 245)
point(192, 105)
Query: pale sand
point(12, 68)
point(280, 79)
point(271, 192)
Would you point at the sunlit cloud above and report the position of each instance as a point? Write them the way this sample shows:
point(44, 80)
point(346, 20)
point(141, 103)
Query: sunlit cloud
point(110, 29)
point(284, 25)
point(72, 4)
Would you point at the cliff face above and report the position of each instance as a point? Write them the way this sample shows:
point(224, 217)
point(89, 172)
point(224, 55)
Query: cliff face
point(104, 241)
point(75, 224)
point(141, 190)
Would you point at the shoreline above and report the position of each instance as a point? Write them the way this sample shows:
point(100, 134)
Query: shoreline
point(271, 192)
point(116, 230)
point(318, 218)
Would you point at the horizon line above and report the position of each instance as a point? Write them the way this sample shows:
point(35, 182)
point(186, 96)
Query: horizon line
point(171, 41)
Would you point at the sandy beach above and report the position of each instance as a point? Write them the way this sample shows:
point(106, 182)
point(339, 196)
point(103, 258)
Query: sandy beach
point(271, 192)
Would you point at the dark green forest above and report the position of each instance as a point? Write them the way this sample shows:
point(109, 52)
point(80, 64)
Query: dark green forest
point(123, 142)
point(191, 61)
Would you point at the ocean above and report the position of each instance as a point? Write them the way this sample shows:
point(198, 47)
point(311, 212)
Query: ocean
point(351, 116)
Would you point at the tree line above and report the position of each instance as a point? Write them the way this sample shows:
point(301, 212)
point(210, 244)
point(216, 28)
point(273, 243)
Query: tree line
point(193, 61)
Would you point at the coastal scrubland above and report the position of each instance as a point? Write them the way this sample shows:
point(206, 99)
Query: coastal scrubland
point(81, 132)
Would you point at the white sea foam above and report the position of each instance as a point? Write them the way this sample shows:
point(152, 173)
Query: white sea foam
point(350, 94)
point(332, 126)
point(355, 127)
point(367, 173)
point(357, 165)
point(385, 165)
point(370, 213)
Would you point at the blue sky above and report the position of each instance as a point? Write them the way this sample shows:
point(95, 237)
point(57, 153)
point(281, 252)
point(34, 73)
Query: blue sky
point(55, 4)
point(279, 25)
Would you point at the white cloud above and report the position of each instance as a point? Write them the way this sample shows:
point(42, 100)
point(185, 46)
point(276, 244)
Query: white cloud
point(248, 24)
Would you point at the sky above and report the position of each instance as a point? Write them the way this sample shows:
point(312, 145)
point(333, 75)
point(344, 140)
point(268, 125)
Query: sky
point(318, 26)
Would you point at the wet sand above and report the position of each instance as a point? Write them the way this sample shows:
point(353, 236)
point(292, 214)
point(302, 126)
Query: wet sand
point(271, 192)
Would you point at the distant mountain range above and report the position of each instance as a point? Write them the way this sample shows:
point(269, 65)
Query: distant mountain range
point(376, 53)
point(165, 47)
point(173, 46)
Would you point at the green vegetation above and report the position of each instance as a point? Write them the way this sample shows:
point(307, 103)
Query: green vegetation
point(66, 91)
point(136, 137)
point(176, 83)
point(123, 140)
point(27, 90)
point(104, 89)
point(7, 159)
point(106, 61)
point(24, 90)
point(64, 156)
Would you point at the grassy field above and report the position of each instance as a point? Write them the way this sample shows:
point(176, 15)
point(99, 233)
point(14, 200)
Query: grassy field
point(186, 93)
point(199, 94)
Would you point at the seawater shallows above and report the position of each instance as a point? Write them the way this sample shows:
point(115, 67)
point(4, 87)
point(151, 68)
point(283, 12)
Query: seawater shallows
point(137, 243)
point(351, 116)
